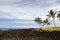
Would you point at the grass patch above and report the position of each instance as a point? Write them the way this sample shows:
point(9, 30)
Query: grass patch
point(52, 28)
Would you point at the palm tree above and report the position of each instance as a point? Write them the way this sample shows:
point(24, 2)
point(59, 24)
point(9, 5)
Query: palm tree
point(58, 15)
point(46, 22)
point(52, 15)
point(39, 21)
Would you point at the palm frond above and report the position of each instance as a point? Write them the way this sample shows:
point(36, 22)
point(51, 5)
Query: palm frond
point(38, 20)
point(58, 16)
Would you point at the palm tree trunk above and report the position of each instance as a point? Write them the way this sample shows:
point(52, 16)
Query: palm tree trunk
point(54, 23)
point(48, 28)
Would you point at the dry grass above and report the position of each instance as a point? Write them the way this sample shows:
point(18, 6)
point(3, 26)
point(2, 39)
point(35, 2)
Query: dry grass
point(52, 28)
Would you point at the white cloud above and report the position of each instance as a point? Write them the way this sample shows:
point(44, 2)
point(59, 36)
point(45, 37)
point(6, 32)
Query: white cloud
point(29, 9)
point(19, 12)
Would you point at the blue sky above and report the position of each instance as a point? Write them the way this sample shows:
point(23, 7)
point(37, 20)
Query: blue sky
point(21, 13)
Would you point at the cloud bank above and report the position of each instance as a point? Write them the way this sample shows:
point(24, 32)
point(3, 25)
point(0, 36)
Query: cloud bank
point(26, 9)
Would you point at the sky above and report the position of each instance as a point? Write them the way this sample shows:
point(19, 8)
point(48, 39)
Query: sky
point(21, 13)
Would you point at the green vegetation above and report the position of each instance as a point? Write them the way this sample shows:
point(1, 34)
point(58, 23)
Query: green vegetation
point(58, 15)
point(52, 28)
point(51, 14)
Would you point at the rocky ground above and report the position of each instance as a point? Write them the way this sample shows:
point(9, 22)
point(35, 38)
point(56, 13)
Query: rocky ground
point(29, 34)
